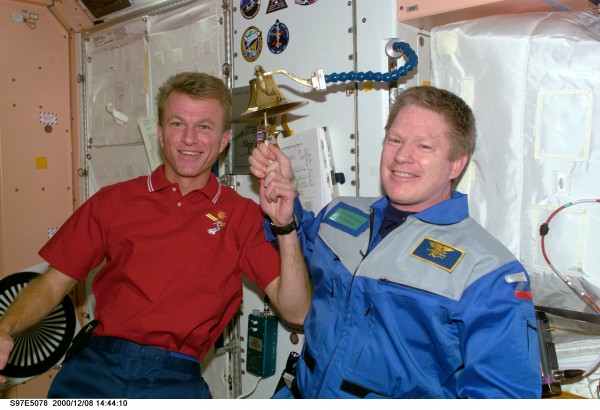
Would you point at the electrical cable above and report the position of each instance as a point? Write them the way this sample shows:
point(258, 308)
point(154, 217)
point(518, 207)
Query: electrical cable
point(544, 229)
point(246, 395)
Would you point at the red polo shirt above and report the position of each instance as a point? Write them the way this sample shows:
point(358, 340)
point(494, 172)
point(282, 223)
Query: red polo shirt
point(173, 271)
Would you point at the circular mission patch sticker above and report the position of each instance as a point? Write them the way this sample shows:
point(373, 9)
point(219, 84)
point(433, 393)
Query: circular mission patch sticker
point(251, 43)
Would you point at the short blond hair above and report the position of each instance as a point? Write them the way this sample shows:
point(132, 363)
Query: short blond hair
point(198, 86)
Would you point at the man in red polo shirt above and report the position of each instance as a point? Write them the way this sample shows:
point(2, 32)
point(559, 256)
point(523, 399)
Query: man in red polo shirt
point(175, 245)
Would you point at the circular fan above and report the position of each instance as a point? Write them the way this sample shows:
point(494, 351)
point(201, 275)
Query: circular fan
point(40, 347)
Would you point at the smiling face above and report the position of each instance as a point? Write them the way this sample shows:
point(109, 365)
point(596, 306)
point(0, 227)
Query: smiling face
point(415, 168)
point(192, 137)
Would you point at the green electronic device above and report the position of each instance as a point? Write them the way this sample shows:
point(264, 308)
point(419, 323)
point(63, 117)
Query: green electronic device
point(262, 344)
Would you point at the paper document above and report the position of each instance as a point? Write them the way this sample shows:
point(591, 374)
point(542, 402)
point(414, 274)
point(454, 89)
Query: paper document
point(149, 129)
point(309, 153)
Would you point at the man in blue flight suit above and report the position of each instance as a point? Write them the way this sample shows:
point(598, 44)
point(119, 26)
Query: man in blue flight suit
point(412, 297)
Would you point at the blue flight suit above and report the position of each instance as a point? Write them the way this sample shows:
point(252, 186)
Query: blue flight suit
point(437, 309)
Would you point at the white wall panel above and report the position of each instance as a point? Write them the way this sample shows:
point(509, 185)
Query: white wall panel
point(320, 36)
point(376, 25)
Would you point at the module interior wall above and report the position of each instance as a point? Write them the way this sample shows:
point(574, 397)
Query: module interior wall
point(35, 134)
point(35, 164)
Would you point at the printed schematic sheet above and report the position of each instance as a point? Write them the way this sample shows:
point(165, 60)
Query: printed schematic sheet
point(311, 161)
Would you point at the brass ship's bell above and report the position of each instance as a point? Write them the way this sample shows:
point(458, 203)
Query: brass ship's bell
point(265, 99)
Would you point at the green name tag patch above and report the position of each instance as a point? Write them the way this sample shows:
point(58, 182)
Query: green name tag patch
point(347, 218)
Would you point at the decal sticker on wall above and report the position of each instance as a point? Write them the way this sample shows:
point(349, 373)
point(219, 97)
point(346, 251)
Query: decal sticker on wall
point(251, 43)
point(278, 37)
point(276, 5)
point(48, 118)
point(249, 8)
point(305, 2)
point(41, 162)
